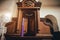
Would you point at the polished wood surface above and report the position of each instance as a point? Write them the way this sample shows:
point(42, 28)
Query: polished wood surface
point(32, 22)
point(43, 28)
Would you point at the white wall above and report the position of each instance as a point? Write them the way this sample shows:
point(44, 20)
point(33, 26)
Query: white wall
point(8, 6)
point(55, 11)
point(51, 7)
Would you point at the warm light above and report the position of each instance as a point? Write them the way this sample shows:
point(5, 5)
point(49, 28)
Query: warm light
point(37, 0)
point(7, 17)
point(21, 0)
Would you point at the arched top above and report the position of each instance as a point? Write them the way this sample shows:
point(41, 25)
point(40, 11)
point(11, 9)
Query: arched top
point(52, 18)
point(54, 21)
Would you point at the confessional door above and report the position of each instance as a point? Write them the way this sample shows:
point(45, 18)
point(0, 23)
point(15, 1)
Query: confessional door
point(29, 19)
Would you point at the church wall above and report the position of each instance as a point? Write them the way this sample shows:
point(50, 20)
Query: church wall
point(55, 11)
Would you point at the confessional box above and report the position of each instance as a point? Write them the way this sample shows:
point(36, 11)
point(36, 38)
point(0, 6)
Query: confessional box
point(29, 16)
point(28, 20)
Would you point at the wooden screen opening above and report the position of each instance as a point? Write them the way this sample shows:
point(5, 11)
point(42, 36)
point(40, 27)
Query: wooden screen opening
point(29, 22)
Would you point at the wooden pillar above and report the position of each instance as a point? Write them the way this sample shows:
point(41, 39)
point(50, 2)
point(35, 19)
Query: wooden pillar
point(19, 24)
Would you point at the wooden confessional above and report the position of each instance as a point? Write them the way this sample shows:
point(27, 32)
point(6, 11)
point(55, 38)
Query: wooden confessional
point(28, 12)
point(28, 21)
point(28, 18)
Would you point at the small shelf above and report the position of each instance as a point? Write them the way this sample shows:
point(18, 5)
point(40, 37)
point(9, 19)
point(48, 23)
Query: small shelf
point(41, 36)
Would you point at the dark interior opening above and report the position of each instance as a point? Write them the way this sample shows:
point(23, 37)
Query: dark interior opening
point(51, 25)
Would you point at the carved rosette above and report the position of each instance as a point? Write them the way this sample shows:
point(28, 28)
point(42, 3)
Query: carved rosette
point(28, 3)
